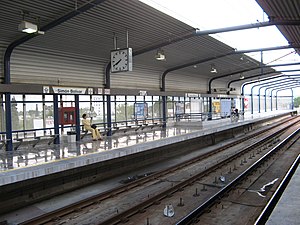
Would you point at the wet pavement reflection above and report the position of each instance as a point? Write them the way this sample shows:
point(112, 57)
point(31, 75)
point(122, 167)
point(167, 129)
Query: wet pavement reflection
point(25, 157)
point(28, 156)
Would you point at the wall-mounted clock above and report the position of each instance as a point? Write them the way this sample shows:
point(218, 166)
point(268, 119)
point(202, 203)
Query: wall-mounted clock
point(121, 60)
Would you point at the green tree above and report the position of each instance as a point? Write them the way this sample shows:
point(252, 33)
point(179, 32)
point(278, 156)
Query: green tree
point(297, 102)
point(49, 111)
point(156, 109)
point(130, 113)
point(120, 112)
point(14, 115)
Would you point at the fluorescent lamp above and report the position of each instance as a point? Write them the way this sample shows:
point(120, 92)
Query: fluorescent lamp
point(213, 69)
point(160, 56)
point(27, 27)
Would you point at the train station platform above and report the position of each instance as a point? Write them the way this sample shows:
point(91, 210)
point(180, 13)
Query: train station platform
point(50, 185)
point(287, 210)
point(32, 163)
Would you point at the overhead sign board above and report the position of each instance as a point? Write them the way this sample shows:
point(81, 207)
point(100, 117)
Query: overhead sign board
point(222, 90)
point(192, 95)
point(142, 93)
point(69, 90)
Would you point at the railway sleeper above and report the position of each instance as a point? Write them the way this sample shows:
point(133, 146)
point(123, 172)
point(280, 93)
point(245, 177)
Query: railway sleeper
point(142, 210)
point(124, 220)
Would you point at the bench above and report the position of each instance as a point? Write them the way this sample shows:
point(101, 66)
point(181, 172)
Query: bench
point(103, 132)
point(29, 137)
point(138, 126)
point(3, 143)
point(145, 125)
point(123, 128)
point(83, 134)
point(33, 141)
point(49, 138)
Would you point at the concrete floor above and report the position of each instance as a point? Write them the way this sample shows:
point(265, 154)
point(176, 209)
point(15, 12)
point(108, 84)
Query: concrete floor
point(28, 162)
point(287, 210)
point(70, 155)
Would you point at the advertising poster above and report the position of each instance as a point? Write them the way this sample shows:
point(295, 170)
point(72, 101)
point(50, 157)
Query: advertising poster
point(140, 110)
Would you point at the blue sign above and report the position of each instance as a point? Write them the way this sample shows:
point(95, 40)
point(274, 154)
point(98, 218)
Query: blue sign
point(140, 110)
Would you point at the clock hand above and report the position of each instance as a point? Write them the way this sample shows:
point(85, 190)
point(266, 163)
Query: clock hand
point(118, 62)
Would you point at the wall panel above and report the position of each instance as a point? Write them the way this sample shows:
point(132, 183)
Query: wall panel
point(41, 66)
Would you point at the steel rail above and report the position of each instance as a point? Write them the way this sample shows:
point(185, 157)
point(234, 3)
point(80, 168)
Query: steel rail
point(123, 217)
point(105, 195)
point(200, 209)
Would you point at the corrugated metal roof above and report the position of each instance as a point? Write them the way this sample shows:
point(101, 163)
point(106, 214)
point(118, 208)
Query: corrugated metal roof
point(284, 10)
point(91, 34)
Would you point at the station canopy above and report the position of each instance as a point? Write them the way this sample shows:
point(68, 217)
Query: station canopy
point(91, 34)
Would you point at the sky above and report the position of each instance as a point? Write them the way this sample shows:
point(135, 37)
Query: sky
point(212, 14)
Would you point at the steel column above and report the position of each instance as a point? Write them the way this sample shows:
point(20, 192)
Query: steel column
point(270, 96)
point(276, 97)
point(164, 110)
point(261, 72)
point(259, 91)
point(77, 115)
point(56, 118)
point(258, 75)
point(13, 45)
point(272, 83)
point(281, 89)
point(9, 143)
point(267, 78)
point(108, 99)
point(45, 28)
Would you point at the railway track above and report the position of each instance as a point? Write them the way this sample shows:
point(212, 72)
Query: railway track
point(250, 190)
point(166, 186)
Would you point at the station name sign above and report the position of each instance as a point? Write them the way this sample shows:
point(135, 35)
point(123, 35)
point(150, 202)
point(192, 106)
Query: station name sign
point(68, 90)
point(75, 90)
point(192, 95)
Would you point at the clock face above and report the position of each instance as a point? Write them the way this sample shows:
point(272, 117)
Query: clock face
point(121, 60)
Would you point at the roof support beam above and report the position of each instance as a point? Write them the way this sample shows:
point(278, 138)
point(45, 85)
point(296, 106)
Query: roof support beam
point(276, 96)
point(282, 81)
point(281, 89)
point(247, 70)
point(271, 83)
point(192, 34)
point(45, 28)
point(277, 89)
point(258, 75)
point(163, 79)
point(265, 79)
point(249, 26)
point(7, 56)
point(271, 97)
point(233, 52)
point(265, 66)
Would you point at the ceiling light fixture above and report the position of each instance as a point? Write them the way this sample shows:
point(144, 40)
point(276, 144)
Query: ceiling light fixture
point(213, 68)
point(160, 55)
point(242, 76)
point(28, 27)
